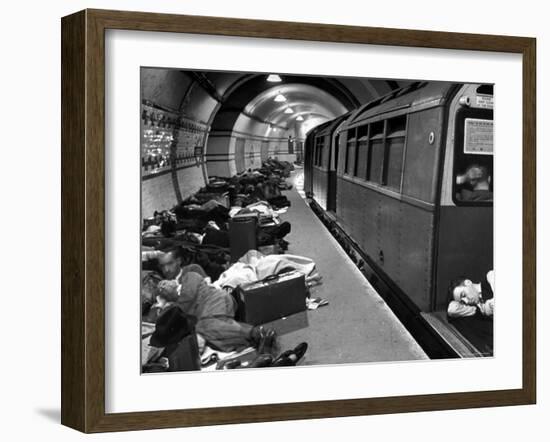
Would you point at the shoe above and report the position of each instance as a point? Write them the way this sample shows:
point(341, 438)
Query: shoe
point(235, 363)
point(213, 358)
point(290, 357)
point(263, 339)
point(230, 364)
point(283, 361)
point(267, 342)
point(264, 360)
point(256, 334)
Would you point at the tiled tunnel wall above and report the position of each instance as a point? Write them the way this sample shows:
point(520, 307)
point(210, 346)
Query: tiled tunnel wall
point(179, 150)
point(171, 158)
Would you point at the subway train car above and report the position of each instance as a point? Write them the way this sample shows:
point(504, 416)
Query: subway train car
point(320, 163)
point(388, 175)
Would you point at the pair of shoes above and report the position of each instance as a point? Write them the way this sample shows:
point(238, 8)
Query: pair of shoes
point(290, 357)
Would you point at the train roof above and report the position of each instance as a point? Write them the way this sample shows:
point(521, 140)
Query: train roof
point(416, 94)
point(329, 127)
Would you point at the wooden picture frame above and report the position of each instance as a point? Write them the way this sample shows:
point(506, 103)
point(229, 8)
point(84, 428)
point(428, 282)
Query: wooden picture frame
point(83, 219)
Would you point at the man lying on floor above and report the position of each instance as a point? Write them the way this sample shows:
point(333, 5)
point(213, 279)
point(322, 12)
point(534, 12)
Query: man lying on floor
point(468, 298)
point(215, 312)
point(471, 311)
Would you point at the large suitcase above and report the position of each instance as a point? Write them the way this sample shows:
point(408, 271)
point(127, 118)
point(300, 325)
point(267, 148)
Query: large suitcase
point(242, 234)
point(272, 298)
point(184, 356)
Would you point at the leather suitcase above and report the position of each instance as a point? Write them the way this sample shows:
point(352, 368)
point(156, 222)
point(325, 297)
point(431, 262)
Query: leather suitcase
point(184, 356)
point(242, 234)
point(272, 298)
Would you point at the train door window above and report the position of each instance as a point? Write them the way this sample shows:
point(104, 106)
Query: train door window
point(375, 159)
point(395, 148)
point(350, 151)
point(318, 151)
point(346, 153)
point(473, 159)
point(315, 149)
point(325, 152)
point(362, 152)
point(334, 156)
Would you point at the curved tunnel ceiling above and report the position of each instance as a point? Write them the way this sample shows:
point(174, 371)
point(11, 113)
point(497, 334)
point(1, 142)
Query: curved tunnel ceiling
point(305, 100)
point(221, 99)
point(250, 97)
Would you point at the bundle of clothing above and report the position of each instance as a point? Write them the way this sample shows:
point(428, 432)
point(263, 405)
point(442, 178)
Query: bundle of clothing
point(254, 266)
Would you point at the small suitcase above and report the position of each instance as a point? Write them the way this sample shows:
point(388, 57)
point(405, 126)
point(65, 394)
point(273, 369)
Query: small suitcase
point(184, 356)
point(242, 234)
point(272, 298)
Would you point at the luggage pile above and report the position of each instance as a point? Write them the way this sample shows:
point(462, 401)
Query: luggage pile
point(226, 218)
point(229, 236)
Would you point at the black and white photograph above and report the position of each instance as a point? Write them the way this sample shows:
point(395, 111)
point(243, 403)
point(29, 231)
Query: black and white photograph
point(297, 220)
point(275, 222)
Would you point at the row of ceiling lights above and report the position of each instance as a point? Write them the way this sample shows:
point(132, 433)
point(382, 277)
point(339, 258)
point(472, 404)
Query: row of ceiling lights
point(280, 98)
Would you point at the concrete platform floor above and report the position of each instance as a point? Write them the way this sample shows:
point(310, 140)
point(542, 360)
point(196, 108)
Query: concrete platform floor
point(357, 325)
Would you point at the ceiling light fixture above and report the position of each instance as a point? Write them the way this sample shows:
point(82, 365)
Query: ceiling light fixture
point(273, 78)
point(300, 118)
point(288, 110)
point(280, 98)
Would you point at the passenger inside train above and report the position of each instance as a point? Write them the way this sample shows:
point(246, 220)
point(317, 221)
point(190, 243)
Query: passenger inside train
point(476, 184)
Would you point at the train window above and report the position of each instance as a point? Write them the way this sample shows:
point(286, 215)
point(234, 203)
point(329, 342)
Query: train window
point(318, 159)
point(362, 157)
point(319, 152)
point(395, 140)
point(350, 151)
point(315, 148)
point(361, 152)
point(485, 89)
point(324, 152)
point(376, 152)
point(473, 160)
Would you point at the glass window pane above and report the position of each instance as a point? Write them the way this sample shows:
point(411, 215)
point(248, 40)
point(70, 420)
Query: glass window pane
point(376, 160)
point(395, 162)
point(361, 168)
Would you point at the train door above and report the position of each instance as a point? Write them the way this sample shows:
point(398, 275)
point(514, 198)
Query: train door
point(308, 163)
point(332, 168)
point(424, 145)
point(465, 245)
point(239, 155)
